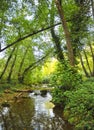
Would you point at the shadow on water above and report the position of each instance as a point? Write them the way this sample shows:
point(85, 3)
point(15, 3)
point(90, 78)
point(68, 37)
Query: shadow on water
point(32, 114)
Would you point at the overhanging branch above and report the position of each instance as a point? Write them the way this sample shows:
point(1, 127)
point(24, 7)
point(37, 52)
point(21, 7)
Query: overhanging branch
point(29, 35)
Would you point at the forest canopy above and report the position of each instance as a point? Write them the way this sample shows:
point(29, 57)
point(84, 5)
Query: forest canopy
point(33, 31)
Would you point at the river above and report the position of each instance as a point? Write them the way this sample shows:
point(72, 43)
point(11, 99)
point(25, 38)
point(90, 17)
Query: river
point(33, 113)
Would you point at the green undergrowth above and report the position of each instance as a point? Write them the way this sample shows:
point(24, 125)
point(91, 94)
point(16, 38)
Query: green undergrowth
point(11, 86)
point(16, 87)
point(79, 109)
point(75, 95)
point(78, 104)
point(65, 78)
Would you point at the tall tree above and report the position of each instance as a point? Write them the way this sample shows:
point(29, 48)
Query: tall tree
point(21, 65)
point(92, 5)
point(92, 55)
point(80, 32)
point(7, 62)
point(83, 66)
point(67, 33)
point(55, 37)
point(12, 66)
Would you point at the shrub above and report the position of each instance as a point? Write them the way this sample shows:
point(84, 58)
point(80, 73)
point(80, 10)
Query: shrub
point(58, 97)
point(65, 76)
point(80, 106)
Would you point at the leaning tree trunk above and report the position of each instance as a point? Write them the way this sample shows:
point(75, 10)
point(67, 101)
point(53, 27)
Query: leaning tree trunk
point(82, 63)
point(88, 65)
point(31, 67)
point(21, 65)
point(67, 33)
point(11, 69)
point(56, 39)
point(7, 62)
point(92, 58)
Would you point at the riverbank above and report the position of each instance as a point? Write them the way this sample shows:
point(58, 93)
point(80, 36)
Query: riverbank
point(78, 104)
point(13, 91)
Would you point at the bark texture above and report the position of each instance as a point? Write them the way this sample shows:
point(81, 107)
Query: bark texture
point(67, 33)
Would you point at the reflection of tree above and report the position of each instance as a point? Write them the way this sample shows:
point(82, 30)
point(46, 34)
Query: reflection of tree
point(58, 111)
point(20, 115)
point(46, 123)
point(23, 115)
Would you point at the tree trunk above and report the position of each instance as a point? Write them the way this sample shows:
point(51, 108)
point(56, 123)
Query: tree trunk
point(92, 58)
point(0, 46)
point(92, 5)
point(21, 64)
point(56, 39)
point(11, 69)
point(66, 31)
point(87, 62)
point(31, 67)
point(82, 63)
point(7, 62)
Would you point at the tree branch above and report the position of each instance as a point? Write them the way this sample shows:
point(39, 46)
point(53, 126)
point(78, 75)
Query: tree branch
point(29, 35)
point(32, 66)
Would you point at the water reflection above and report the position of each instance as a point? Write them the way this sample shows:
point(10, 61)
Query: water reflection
point(31, 114)
point(40, 108)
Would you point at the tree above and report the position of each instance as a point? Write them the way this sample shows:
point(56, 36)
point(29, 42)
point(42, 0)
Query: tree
point(12, 66)
point(33, 28)
point(67, 33)
point(21, 64)
point(7, 62)
point(55, 37)
point(92, 5)
point(80, 30)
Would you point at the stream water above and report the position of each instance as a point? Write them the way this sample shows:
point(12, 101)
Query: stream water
point(33, 113)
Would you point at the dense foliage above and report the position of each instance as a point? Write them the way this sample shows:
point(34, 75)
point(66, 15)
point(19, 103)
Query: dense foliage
point(75, 96)
point(79, 109)
point(44, 41)
point(64, 78)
